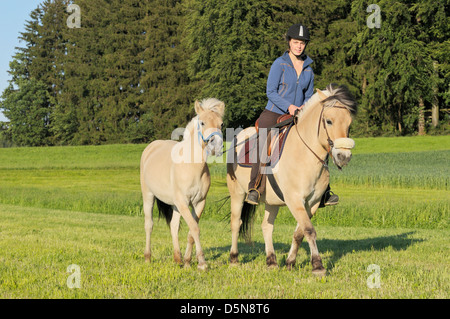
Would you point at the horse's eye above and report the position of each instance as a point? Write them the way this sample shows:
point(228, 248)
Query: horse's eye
point(329, 122)
point(202, 123)
point(221, 125)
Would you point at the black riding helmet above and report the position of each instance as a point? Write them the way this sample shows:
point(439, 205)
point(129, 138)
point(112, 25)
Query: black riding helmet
point(299, 32)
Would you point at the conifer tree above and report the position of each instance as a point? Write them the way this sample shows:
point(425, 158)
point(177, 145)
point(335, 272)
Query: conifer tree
point(398, 67)
point(25, 102)
point(167, 91)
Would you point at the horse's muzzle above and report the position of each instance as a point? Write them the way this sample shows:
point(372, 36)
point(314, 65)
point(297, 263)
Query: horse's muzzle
point(341, 151)
point(215, 145)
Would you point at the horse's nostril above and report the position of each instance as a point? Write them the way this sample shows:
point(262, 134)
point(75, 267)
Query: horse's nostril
point(341, 157)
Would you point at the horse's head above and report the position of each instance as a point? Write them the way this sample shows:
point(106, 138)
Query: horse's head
point(209, 124)
point(338, 107)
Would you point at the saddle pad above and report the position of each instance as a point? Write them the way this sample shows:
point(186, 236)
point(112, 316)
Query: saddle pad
point(248, 153)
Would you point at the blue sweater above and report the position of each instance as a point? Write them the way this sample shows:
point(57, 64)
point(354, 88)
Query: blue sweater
point(283, 86)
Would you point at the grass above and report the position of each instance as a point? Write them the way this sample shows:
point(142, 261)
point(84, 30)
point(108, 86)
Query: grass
point(82, 205)
point(37, 246)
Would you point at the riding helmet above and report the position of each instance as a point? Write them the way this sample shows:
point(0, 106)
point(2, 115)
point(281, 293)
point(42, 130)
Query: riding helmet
point(299, 32)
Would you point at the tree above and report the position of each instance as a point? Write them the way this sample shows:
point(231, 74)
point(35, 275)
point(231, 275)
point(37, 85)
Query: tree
point(27, 110)
point(167, 90)
point(26, 99)
point(397, 65)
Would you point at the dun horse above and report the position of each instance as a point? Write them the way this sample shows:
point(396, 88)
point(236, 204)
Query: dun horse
point(302, 174)
point(176, 175)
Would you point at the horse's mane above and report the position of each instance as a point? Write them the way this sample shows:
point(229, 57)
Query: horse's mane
point(211, 104)
point(335, 93)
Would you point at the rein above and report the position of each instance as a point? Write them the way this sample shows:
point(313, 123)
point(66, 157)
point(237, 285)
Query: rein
point(329, 140)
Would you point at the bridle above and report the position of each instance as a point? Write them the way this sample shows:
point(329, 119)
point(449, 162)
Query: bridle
point(209, 137)
point(329, 140)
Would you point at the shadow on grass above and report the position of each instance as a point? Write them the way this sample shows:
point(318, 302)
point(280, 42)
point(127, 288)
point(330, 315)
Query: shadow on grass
point(337, 247)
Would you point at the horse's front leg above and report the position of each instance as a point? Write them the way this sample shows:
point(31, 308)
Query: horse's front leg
point(174, 228)
point(194, 230)
point(297, 241)
point(267, 229)
point(196, 214)
point(298, 210)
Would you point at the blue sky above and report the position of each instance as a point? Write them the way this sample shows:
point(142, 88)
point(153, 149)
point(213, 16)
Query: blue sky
point(13, 14)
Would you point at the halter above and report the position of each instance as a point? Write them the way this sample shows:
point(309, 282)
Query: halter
point(200, 134)
point(329, 140)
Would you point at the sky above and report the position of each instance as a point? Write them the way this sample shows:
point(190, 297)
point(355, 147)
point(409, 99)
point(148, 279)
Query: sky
point(13, 15)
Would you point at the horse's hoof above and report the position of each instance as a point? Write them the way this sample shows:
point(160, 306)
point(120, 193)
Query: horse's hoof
point(319, 272)
point(177, 259)
point(202, 267)
point(290, 265)
point(234, 258)
point(148, 259)
point(187, 265)
point(271, 261)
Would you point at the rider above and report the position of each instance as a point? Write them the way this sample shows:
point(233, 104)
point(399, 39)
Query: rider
point(289, 85)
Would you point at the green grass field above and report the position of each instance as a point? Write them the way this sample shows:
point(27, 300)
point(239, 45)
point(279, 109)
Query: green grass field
point(82, 205)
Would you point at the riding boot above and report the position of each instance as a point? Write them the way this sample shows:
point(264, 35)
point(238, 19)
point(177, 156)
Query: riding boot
point(257, 184)
point(329, 198)
point(254, 186)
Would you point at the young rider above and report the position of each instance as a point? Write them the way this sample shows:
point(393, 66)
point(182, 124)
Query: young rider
point(289, 85)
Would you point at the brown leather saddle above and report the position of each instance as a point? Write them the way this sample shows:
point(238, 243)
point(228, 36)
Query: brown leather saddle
point(248, 153)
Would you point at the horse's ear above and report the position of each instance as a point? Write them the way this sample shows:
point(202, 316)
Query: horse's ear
point(198, 108)
point(322, 96)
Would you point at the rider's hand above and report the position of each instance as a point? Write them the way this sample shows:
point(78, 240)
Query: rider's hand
point(292, 108)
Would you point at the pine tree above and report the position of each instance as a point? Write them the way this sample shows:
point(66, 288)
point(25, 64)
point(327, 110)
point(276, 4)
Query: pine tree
point(27, 109)
point(26, 101)
point(397, 65)
point(167, 91)
point(234, 44)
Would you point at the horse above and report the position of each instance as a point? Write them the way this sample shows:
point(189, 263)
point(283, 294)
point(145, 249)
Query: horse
point(176, 176)
point(320, 129)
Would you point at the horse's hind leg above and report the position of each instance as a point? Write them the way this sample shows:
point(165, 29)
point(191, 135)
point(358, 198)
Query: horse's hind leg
point(149, 200)
point(237, 196)
point(267, 229)
point(174, 228)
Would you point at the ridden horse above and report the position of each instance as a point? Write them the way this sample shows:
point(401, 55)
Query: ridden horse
point(176, 175)
point(320, 129)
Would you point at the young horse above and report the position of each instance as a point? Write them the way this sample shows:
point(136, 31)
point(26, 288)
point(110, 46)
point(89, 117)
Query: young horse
point(321, 128)
point(177, 176)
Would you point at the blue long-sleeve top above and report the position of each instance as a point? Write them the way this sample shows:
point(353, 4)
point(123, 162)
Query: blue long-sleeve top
point(285, 88)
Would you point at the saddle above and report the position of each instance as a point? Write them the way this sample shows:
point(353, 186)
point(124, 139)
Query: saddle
point(249, 152)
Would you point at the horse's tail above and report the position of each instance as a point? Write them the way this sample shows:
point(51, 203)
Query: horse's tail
point(165, 210)
point(247, 217)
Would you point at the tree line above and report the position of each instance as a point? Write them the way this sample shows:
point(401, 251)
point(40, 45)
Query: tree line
point(130, 71)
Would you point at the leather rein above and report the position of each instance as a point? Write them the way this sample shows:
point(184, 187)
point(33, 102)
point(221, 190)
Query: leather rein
point(329, 140)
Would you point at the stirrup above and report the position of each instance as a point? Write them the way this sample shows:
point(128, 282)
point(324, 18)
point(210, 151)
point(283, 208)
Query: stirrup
point(332, 199)
point(251, 199)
